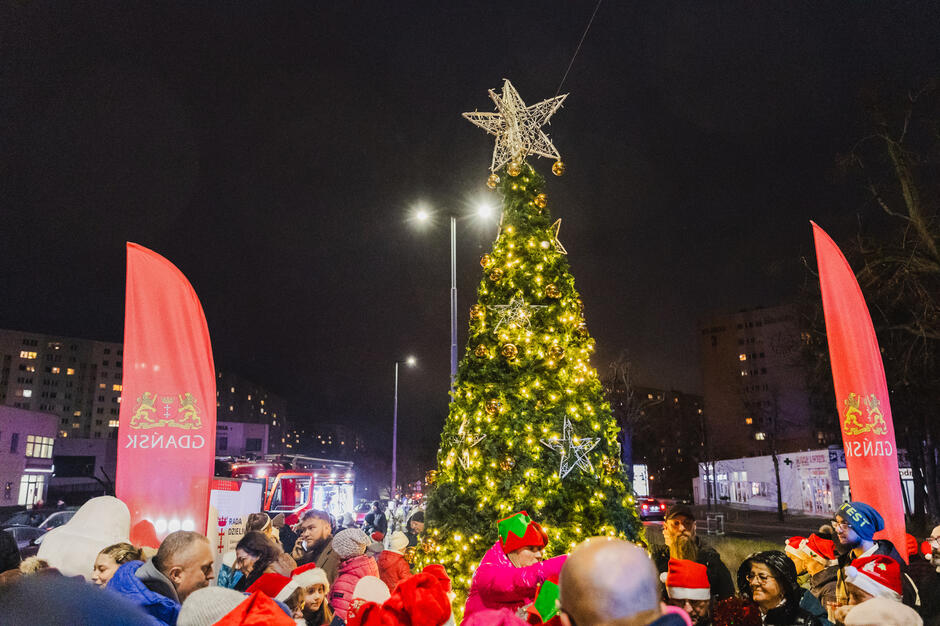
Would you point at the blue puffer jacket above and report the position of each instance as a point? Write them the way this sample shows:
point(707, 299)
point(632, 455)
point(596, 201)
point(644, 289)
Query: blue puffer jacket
point(134, 581)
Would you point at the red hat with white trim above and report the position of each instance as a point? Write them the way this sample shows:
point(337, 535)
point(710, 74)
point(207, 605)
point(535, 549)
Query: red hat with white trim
point(274, 586)
point(794, 545)
point(686, 580)
point(820, 549)
point(879, 575)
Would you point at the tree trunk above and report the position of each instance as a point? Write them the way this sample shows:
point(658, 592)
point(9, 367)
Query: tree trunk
point(779, 492)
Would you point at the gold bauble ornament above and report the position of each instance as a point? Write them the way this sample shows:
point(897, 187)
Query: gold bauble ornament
point(558, 168)
point(556, 351)
point(507, 464)
point(481, 351)
point(582, 329)
point(485, 260)
point(492, 405)
point(514, 168)
point(496, 275)
point(492, 181)
point(477, 312)
point(430, 477)
point(580, 303)
point(552, 291)
point(509, 351)
point(611, 466)
point(541, 200)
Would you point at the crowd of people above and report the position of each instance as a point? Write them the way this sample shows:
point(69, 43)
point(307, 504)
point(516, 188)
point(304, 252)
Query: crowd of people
point(319, 571)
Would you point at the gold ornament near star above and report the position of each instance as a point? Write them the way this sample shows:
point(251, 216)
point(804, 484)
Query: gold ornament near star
point(555, 228)
point(518, 128)
point(516, 313)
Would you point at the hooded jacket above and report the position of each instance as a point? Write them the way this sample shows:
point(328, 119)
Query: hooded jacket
point(393, 568)
point(350, 571)
point(497, 583)
point(144, 585)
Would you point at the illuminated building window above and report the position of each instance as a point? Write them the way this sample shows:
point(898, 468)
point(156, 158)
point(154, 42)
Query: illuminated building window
point(31, 488)
point(39, 447)
point(743, 372)
point(27, 393)
point(231, 407)
point(76, 425)
point(748, 420)
point(233, 389)
point(760, 436)
point(742, 357)
point(27, 355)
point(101, 386)
point(70, 372)
point(249, 397)
point(116, 388)
point(113, 423)
point(77, 414)
point(55, 370)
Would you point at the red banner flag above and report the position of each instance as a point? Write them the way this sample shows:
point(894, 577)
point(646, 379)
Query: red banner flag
point(166, 435)
point(861, 391)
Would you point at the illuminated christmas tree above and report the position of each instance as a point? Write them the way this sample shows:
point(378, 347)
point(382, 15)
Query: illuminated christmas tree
point(529, 427)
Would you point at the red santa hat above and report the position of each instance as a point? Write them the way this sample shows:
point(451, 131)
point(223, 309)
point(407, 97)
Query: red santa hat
point(686, 580)
point(308, 575)
point(274, 586)
point(879, 575)
point(794, 545)
point(820, 549)
point(417, 601)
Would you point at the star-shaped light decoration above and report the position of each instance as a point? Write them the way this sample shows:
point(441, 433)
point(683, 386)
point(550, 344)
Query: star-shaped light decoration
point(573, 450)
point(464, 441)
point(518, 128)
point(555, 228)
point(516, 313)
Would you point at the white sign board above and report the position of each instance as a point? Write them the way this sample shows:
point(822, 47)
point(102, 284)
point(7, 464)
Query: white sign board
point(231, 501)
point(641, 483)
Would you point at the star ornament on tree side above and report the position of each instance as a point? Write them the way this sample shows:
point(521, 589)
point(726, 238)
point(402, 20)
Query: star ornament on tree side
point(573, 450)
point(518, 128)
point(515, 314)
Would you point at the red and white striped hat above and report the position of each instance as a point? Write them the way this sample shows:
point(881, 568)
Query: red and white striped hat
point(879, 575)
point(794, 546)
point(686, 580)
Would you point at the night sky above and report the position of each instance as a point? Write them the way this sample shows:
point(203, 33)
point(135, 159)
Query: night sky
point(273, 152)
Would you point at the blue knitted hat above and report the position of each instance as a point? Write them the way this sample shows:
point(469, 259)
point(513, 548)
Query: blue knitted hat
point(862, 518)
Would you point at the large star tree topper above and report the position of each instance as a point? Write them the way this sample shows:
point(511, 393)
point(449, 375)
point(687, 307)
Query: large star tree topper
point(518, 128)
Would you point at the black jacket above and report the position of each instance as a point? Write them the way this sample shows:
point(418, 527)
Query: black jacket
point(719, 578)
point(790, 615)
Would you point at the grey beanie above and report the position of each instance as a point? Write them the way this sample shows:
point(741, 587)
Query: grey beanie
point(350, 542)
point(208, 605)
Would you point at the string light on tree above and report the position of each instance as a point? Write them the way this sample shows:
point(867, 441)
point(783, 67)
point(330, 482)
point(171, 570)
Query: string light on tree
point(517, 313)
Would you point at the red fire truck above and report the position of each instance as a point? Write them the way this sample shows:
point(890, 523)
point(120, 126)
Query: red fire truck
point(294, 484)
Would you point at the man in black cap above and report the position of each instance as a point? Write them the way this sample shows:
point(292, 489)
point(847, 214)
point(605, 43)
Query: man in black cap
point(683, 543)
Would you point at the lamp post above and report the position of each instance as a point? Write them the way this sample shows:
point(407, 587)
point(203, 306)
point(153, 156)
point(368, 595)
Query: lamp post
point(422, 215)
point(410, 362)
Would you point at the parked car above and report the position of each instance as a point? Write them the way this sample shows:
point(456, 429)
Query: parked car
point(25, 537)
point(47, 518)
point(650, 508)
point(361, 511)
point(56, 519)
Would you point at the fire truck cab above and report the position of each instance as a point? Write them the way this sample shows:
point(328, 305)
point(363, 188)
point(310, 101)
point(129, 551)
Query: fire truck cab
point(295, 484)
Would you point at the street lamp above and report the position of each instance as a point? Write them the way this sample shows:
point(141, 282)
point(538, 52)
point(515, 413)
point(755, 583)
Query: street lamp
point(423, 215)
point(410, 362)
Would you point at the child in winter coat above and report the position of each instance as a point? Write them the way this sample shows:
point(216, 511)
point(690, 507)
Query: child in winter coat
point(393, 568)
point(512, 569)
point(350, 545)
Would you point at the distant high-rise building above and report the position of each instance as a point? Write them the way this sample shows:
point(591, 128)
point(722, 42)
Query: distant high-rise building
point(755, 381)
point(332, 441)
point(79, 381)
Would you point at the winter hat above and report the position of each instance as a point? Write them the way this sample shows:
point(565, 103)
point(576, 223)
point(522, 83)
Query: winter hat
point(398, 542)
point(348, 520)
point(544, 608)
point(371, 589)
point(292, 519)
point(421, 600)
point(879, 575)
point(350, 542)
point(257, 610)
point(73, 547)
point(862, 518)
point(910, 544)
point(518, 531)
point(308, 575)
point(377, 536)
point(686, 580)
point(822, 550)
point(794, 545)
point(275, 586)
point(881, 612)
point(437, 570)
point(208, 605)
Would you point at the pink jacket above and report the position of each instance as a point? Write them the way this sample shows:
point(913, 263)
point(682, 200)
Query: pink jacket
point(497, 583)
point(350, 571)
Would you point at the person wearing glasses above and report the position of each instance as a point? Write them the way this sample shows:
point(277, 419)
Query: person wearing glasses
point(687, 587)
point(511, 571)
point(768, 579)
